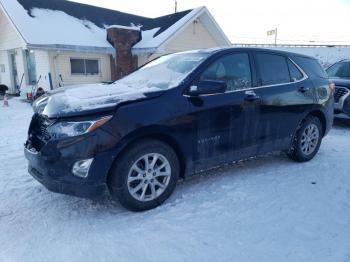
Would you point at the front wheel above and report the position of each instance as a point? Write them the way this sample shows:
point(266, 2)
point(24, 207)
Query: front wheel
point(145, 176)
point(307, 140)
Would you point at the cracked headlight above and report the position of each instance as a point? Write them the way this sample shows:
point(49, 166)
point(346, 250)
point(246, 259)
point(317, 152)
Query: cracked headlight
point(72, 128)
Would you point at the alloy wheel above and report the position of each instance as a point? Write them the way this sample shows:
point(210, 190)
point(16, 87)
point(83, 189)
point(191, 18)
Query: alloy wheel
point(310, 139)
point(149, 177)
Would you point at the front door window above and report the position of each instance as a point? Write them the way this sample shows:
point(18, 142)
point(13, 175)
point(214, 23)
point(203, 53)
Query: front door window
point(234, 69)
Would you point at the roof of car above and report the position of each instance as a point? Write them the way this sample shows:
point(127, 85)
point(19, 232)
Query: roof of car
point(344, 61)
point(222, 49)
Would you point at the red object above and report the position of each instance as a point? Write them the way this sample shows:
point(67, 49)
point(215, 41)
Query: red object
point(29, 96)
point(6, 101)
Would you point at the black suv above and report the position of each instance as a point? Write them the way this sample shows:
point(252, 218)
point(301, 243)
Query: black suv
point(176, 116)
point(339, 74)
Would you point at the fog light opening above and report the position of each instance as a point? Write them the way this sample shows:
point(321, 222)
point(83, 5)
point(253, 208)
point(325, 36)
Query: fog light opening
point(81, 168)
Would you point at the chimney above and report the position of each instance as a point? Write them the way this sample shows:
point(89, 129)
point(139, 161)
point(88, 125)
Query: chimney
point(123, 39)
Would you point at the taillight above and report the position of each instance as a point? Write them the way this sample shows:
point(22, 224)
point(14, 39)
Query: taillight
point(332, 87)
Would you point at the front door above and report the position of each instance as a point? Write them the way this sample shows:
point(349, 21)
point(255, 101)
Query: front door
point(223, 122)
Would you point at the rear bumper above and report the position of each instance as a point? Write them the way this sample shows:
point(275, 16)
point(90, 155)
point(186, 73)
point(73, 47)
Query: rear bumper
point(328, 111)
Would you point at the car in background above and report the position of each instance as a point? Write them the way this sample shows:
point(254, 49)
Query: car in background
point(339, 74)
point(176, 116)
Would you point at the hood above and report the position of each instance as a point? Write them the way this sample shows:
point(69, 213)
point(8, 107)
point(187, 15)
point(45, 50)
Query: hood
point(89, 99)
point(341, 82)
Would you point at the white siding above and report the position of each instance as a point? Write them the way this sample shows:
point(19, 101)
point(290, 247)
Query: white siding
point(194, 36)
point(5, 76)
point(61, 66)
point(143, 58)
point(9, 38)
point(42, 65)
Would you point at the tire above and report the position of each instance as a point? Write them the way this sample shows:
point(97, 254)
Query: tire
point(155, 185)
point(310, 133)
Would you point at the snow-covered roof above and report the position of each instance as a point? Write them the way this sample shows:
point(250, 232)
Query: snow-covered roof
point(125, 27)
point(60, 24)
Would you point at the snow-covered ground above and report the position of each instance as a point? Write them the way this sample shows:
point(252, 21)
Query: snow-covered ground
point(269, 209)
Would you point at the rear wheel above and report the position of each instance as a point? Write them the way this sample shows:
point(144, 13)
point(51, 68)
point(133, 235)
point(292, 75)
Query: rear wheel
point(145, 176)
point(307, 140)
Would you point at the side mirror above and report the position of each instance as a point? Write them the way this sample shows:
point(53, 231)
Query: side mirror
point(208, 87)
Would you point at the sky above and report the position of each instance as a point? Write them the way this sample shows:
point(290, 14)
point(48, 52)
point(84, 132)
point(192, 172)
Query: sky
point(247, 21)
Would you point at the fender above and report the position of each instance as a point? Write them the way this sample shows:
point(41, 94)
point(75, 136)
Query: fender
point(165, 134)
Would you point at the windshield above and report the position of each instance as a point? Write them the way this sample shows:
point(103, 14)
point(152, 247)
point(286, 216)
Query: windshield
point(165, 72)
point(339, 70)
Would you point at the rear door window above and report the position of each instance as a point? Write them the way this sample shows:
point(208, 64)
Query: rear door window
point(273, 69)
point(234, 69)
point(311, 66)
point(295, 73)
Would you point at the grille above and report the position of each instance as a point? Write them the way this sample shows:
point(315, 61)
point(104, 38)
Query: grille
point(43, 124)
point(339, 93)
point(38, 134)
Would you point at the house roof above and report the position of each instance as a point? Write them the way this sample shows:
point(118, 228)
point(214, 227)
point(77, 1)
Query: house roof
point(63, 24)
point(103, 17)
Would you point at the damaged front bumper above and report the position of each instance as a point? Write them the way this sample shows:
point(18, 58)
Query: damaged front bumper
point(56, 175)
point(54, 164)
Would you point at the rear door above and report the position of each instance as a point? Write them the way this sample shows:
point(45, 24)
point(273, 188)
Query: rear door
point(286, 94)
point(223, 121)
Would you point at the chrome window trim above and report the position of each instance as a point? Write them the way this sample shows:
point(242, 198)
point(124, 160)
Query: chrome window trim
point(305, 76)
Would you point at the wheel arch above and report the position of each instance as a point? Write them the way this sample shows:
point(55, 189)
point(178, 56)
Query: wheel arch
point(133, 139)
point(321, 116)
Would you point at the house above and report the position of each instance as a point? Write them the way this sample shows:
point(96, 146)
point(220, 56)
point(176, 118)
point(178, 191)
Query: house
point(54, 43)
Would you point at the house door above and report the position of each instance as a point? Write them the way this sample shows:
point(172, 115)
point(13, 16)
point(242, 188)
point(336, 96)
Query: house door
point(14, 72)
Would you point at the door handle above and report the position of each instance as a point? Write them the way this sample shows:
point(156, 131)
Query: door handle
point(251, 96)
point(303, 89)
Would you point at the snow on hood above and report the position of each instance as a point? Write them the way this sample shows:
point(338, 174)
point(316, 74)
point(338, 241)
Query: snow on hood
point(83, 99)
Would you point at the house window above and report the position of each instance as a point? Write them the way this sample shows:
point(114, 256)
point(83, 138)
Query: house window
point(84, 66)
point(31, 70)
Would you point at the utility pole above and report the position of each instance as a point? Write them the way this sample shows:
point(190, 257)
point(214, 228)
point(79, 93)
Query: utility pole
point(276, 37)
point(175, 6)
point(273, 32)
